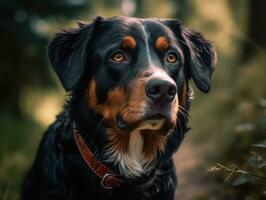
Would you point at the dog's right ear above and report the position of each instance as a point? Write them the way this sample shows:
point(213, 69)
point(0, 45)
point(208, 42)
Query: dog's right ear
point(68, 53)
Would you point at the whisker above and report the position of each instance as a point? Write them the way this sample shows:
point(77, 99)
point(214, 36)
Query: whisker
point(180, 126)
point(181, 107)
point(99, 124)
point(123, 107)
point(132, 109)
point(184, 111)
point(184, 115)
point(125, 110)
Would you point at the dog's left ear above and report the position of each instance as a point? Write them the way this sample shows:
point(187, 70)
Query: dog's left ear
point(200, 55)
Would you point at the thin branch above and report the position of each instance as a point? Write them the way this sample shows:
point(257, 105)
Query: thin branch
point(236, 169)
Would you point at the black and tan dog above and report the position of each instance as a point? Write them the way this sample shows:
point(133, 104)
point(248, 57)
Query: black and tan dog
point(127, 113)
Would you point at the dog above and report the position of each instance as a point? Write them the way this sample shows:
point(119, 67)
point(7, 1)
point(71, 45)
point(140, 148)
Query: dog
point(128, 85)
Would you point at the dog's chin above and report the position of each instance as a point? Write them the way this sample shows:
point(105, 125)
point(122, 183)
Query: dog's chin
point(158, 122)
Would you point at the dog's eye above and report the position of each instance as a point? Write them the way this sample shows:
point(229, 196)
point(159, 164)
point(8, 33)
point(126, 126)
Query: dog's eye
point(118, 57)
point(171, 58)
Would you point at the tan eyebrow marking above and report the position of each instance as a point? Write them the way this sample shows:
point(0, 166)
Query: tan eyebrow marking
point(161, 43)
point(128, 42)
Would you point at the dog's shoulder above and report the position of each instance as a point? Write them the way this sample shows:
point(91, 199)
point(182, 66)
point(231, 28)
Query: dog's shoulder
point(48, 166)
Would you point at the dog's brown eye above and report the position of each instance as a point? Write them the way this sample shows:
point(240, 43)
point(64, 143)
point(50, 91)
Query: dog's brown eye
point(118, 57)
point(171, 58)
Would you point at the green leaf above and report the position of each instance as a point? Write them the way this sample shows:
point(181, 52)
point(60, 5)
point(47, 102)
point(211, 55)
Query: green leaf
point(256, 160)
point(244, 178)
point(259, 145)
point(262, 165)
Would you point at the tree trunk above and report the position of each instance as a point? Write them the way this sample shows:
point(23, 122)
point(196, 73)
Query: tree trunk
point(256, 29)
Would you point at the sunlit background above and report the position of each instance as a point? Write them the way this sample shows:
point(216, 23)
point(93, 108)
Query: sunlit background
point(222, 157)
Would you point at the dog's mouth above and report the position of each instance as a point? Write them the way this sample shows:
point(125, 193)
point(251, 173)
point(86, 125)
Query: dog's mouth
point(153, 122)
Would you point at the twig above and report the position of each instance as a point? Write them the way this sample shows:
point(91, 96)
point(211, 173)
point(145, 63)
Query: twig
point(234, 170)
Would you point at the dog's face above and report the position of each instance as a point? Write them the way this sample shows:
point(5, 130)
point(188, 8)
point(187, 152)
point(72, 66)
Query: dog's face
point(136, 73)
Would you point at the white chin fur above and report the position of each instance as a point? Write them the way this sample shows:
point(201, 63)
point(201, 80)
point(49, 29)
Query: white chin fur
point(152, 124)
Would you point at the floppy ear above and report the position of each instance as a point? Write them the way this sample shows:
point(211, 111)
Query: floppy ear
point(199, 53)
point(201, 58)
point(68, 53)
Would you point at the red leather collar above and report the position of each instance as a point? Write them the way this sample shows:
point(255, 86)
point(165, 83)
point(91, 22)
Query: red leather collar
point(109, 179)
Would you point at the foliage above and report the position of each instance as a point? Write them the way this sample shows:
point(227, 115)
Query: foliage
point(23, 40)
point(249, 180)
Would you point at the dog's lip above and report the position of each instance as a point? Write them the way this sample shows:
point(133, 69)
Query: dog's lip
point(155, 116)
point(123, 125)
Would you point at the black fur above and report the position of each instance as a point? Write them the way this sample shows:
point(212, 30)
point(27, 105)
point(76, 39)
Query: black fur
point(77, 56)
point(201, 55)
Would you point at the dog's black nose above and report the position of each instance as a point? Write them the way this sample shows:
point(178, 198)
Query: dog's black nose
point(160, 90)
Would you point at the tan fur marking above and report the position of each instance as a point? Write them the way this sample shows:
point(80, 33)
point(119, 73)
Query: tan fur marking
point(162, 43)
point(154, 142)
point(115, 100)
point(118, 140)
point(113, 105)
point(133, 111)
point(129, 42)
point(174, 111)
point(184, 95)
point(91, 94)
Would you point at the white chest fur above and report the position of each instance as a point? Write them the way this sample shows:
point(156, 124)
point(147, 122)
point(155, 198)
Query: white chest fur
point(132, 163)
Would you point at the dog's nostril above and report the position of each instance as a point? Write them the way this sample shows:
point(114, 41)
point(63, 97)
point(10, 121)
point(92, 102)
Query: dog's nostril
point(155, 89)
point(172, 90)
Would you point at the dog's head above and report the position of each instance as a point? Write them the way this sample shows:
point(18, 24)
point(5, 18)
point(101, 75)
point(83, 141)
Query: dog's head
point(136, 73)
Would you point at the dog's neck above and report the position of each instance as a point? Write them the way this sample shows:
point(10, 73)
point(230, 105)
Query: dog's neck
point(131, 163)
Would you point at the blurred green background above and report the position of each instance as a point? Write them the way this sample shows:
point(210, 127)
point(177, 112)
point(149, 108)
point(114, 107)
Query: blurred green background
point(228, 124)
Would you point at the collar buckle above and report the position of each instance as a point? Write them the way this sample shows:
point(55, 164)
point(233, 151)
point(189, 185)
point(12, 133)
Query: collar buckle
point(109, 181)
